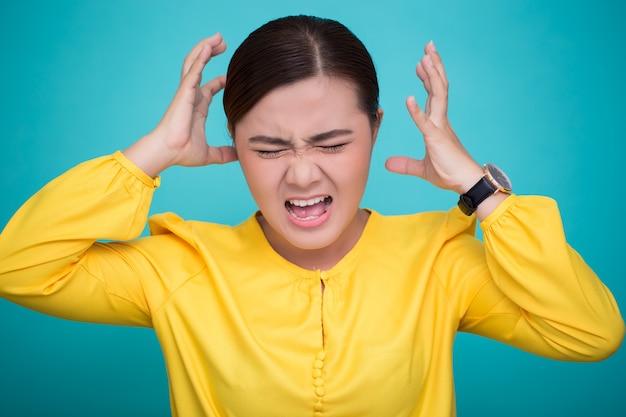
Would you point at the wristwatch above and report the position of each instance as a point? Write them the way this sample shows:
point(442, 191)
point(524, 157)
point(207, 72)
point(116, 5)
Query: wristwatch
point(493, 181)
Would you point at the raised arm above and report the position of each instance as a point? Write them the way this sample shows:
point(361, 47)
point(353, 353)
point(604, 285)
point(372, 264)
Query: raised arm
point(533, 290)
point(50, 257)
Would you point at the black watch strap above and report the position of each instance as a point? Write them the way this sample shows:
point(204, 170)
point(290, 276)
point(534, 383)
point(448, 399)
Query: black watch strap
point(468, 202)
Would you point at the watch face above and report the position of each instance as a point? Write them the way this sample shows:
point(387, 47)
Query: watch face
point(498, 177)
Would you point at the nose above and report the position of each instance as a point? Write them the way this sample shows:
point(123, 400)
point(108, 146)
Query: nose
point(302, 171)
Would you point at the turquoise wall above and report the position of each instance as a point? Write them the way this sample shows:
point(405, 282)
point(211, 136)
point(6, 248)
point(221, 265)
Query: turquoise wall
point(536, 86)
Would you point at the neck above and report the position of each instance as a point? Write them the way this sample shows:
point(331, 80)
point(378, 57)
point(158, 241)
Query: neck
point(317, 259)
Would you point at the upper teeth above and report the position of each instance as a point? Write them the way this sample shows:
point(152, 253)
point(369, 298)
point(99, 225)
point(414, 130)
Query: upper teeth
point(304, 203)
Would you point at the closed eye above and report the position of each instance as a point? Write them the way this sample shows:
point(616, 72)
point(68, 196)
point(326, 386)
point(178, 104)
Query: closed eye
point(333, 148)
point(271, 154)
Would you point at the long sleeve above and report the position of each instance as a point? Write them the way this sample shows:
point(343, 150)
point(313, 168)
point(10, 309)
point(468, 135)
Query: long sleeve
point(49, 248)
point(542, 297)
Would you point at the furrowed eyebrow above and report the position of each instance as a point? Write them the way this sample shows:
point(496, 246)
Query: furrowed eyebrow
point(328, 135)
point(269, 140)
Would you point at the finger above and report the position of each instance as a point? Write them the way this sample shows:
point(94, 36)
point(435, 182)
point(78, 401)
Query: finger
point(421, 73)
point(215, 45)
point(213, 87)
point(193, 77)
point(421, 119)
point(431, 50)
point(191, 57)
point(405, 165)
point(438, 92)
point(208, 91)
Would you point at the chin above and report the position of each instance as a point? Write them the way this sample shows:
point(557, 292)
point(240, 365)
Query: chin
point(308, 241)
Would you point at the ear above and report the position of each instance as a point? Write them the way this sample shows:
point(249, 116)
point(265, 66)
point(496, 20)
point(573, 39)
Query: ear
point(376, 125)
point(231, 131)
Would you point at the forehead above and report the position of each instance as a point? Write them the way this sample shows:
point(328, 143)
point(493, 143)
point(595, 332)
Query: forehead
point(305, 107)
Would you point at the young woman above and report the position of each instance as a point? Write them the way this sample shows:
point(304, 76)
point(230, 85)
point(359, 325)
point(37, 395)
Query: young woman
point(314, 305)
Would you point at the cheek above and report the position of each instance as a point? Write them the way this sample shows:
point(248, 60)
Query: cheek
point(351, 168)
point(261, 176)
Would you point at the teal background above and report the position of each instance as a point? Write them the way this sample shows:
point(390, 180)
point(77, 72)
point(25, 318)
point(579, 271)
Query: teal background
point(536, 86)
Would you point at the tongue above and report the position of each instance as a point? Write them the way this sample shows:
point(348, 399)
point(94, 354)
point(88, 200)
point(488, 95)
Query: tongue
point(308, 211)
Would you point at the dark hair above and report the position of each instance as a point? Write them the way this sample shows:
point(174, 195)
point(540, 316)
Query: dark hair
point(291, 49)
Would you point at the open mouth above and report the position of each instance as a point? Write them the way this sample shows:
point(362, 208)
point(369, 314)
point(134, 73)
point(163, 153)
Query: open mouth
point(308, 209)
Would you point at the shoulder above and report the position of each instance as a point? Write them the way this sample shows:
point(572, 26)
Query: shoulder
point(438, 225)
point(437, 241)
point(174, 225)
point(178, 249)
point(205, 237)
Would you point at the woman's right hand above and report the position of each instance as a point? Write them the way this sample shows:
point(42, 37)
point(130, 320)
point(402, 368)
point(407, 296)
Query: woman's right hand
point(179, 138)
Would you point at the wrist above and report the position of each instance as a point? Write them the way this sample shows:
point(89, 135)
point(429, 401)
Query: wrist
point(470, 178)
point(150, 154)
point(492, 181)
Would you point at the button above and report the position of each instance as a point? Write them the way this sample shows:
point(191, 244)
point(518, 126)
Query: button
point(318, 414)
point(318, 381)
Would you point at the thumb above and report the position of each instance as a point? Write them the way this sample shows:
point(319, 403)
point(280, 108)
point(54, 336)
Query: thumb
point(221, 154)
point(405, 165)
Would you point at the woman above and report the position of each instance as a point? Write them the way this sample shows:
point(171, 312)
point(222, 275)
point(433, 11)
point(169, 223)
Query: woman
point(313, 306)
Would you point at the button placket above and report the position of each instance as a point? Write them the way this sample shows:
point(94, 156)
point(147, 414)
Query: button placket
point(318, 383)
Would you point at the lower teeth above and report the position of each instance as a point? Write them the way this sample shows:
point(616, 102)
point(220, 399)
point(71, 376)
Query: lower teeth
point(295, 216)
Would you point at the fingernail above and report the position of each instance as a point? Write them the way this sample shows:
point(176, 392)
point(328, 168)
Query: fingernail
point(429, 60)
point(433, 45)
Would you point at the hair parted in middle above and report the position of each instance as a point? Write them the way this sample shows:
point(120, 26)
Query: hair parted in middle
point(291, 49)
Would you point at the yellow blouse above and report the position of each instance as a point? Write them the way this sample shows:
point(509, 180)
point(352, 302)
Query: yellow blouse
point(246, 333)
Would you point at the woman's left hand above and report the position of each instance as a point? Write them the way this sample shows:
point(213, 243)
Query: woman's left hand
point(446, 163)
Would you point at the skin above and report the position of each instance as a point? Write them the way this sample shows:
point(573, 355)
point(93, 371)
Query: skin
point(308, 140)
point(304, 170)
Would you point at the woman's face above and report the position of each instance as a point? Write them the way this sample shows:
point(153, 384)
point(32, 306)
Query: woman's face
point(305, 151)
